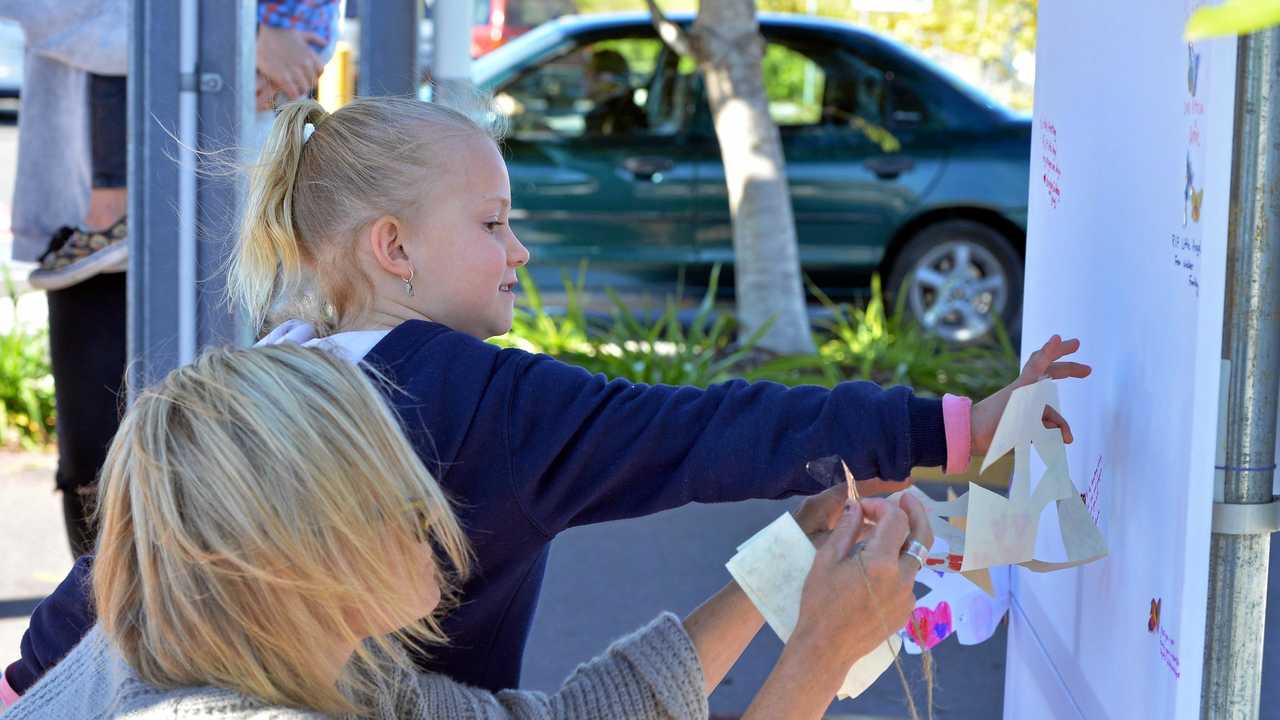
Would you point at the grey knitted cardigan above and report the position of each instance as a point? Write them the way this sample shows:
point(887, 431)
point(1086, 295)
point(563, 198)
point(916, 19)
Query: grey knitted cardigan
point(652, 673)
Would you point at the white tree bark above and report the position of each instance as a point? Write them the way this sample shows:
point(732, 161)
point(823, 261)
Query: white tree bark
point(727, 45)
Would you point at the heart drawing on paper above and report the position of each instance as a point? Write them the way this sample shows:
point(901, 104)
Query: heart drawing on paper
point(930, 626)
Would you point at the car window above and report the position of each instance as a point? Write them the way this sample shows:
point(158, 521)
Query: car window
point(827, 86)
point(480, 12)
point(858, 94)
point(794, 84)
point(609, 88)
point(906, 109)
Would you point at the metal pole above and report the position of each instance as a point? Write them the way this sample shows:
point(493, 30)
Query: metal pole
point(226, 115)
point(1239, 551)
point(154, 87)
point(190, 95)
point(451, 50)
point(389, 47)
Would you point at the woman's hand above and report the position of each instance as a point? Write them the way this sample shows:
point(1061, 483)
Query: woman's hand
point(859, 590)
point(1043, 363)
point(818, 514)
point(285, 56)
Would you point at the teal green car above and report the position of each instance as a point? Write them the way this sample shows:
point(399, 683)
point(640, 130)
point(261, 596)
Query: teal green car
point(895, 167)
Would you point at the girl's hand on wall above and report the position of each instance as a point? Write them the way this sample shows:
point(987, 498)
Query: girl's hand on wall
point(1043, 363)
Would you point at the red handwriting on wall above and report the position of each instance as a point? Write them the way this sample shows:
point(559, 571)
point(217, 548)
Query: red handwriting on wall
point(1051, 169)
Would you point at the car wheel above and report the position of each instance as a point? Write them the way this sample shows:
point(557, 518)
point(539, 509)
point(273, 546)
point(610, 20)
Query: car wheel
point(959, 276)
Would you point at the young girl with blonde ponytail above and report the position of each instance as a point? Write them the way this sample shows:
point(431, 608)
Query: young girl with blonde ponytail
point(381, 233)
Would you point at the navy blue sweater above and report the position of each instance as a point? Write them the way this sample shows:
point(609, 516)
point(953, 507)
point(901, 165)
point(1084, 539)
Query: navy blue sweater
point(528, 446)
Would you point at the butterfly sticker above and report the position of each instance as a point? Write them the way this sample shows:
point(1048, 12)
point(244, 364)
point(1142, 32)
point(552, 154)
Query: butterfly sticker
point(1191, 198)
point(1153, 621)
point(1193, 70)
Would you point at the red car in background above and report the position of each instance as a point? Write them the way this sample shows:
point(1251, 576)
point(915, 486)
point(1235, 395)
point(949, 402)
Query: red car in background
point(497, 21)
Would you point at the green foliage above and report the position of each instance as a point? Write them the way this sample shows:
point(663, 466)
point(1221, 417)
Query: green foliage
point(794, 84)
point(655, 351)
point(26, 383)
point(869, 343)
point(994, 32)
point(858, 343)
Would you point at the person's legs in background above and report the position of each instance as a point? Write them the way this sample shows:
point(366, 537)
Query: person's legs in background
point(87, 324)
point(108, 138)
point(87, 334)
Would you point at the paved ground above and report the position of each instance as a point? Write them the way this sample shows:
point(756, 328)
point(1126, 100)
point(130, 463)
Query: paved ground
point(34, 555)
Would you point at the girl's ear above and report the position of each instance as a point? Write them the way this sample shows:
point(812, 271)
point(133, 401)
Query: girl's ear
point(385, 237)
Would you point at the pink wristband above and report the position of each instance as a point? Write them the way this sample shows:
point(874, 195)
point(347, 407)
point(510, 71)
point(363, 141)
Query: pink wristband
point(7, 695)
point(955, 418)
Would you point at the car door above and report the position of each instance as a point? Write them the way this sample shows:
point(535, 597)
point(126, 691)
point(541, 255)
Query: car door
point(599, 157)
point(853, 173)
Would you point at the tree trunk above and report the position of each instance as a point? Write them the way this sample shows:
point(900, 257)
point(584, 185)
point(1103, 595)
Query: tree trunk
point(727, 45)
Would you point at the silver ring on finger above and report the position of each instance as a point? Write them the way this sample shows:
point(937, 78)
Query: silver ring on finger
point(917, 551)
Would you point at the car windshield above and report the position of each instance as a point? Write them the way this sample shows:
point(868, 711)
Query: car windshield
point(486, 68)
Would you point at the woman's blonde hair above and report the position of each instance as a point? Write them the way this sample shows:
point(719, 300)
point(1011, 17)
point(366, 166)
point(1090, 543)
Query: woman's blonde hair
point(310, 196)
point(257, 507)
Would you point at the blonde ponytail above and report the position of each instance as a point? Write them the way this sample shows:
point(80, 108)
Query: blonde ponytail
point(269, 256)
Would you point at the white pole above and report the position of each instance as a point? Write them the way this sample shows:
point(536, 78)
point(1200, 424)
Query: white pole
point(188, 54)
point(451, 61)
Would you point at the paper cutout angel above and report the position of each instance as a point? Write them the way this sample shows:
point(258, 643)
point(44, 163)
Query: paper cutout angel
point(1000, 530)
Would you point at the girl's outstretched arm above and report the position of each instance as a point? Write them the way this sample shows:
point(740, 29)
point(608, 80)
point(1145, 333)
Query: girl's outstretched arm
point(584, 449)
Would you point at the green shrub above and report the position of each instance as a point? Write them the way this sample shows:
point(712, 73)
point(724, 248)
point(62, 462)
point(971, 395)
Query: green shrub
point(657, 351)
point(869, 343)
point(858, 343)
point(26, 383)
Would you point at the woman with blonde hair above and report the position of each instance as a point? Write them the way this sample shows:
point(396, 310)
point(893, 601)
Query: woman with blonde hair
point(270, 541)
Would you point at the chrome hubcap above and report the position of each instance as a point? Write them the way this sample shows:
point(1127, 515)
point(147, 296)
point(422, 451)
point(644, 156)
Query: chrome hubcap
point(957, 290)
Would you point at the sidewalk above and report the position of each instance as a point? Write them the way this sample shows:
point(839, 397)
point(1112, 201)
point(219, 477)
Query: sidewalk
point(33, 546)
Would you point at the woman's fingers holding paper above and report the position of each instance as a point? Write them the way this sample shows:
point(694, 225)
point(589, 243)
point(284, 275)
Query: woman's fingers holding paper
point(918, 520)
point(822, 511)
point(840, 544)
point(890, 529)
